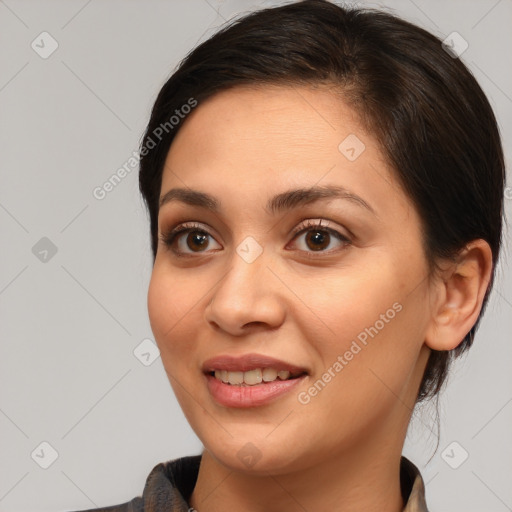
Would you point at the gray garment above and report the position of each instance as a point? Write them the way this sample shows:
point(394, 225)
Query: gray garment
point(170, 485)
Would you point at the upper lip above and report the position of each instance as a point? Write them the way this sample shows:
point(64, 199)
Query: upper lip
point(249, 362)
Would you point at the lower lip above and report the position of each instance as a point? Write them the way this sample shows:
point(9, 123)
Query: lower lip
point(250, 396)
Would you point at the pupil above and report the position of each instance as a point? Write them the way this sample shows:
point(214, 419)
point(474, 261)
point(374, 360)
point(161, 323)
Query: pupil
point(201, 239)
point(318, 238)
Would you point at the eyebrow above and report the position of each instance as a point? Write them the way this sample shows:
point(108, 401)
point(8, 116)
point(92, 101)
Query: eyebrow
point(284, 201)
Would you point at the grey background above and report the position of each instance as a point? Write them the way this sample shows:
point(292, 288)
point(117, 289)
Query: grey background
point(69, 326)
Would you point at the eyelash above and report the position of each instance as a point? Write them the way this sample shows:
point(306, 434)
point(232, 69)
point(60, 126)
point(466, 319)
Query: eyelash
point(169, 238)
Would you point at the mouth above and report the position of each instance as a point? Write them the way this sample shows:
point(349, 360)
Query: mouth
point(254, 377)
point(250, 380)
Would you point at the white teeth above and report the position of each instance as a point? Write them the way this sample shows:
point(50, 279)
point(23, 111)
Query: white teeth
point(283, 375)
point(221, 375)
point(269, 374)
point(235, 378)
point(251, 377)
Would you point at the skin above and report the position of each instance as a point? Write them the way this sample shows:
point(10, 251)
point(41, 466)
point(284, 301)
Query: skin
point(341, 451)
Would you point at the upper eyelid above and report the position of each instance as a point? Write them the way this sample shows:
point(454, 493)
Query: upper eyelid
point(306, 224)
point(303, 225)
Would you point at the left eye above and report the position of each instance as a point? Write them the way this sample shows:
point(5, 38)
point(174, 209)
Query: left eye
point(318, 238)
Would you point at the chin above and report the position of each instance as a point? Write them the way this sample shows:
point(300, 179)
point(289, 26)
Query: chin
point(253, 455)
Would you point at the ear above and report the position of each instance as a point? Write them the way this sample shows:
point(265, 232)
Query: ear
point(460, 291)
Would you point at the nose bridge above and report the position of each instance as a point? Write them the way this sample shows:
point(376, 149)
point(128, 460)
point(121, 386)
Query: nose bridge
point(247, 293)
point(247, 276)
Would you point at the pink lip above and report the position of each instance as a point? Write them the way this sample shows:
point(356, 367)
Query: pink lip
point(249, 362)
point(249, 396)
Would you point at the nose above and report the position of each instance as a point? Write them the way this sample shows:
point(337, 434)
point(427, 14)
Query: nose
point(248, 298)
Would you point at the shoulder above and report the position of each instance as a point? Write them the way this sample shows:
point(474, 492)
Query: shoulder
point(413, 487)
point(135, 505)
point(168, 488)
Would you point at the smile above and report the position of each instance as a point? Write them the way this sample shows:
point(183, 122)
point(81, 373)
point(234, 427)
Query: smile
point(250, 380)
point(253, 377)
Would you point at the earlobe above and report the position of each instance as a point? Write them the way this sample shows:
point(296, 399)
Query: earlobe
point(461, 290)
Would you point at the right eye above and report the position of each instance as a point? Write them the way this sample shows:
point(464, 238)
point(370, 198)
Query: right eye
point(195, 242)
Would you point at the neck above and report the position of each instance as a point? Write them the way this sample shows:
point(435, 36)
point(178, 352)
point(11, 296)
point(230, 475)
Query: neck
point(365, 480)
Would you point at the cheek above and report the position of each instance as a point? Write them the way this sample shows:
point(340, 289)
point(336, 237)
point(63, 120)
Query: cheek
point(172, 317)
point(350, 303)
point(170, 309)
point(160, 308)
point(373, 322)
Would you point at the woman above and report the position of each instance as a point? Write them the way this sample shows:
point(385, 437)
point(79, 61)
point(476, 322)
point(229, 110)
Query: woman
point(325, 190)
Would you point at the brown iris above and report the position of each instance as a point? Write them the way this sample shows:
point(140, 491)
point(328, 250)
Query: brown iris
point(199, 239)
point(320, 239)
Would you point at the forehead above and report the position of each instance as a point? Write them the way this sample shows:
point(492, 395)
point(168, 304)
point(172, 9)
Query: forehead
point(254, 139)
point(294, 115)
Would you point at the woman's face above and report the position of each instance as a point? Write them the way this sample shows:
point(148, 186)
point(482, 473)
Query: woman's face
point(346, 304)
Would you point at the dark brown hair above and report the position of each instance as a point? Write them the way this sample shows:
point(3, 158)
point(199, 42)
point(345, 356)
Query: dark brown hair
point(433, 121)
